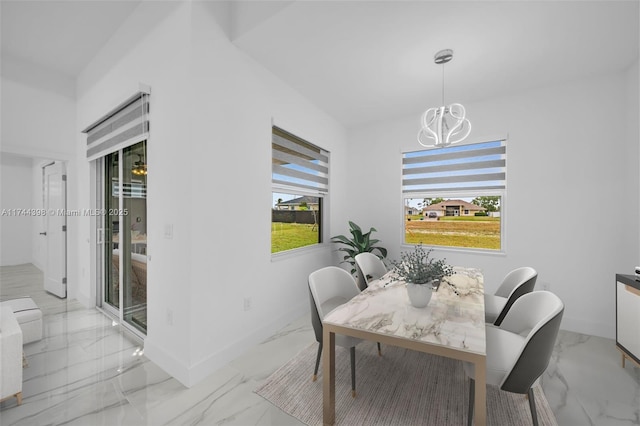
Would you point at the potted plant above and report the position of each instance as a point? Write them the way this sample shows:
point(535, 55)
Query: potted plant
point(421, 273)
point(358, 243)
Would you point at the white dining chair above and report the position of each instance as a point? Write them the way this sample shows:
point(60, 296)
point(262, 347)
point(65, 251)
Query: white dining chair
point(329, 288)
point(518, 351)
point(516, 283)
point(369, 267)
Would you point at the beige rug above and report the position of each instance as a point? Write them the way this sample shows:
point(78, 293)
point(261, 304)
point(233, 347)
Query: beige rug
point(402, 387)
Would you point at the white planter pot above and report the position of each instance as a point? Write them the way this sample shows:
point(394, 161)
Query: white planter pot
point(419, 294)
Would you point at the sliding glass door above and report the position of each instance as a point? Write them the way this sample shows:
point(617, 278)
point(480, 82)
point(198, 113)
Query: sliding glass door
point(111, 230)
point(124, 248)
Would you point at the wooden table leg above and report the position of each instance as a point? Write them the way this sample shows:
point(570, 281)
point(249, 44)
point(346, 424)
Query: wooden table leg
point(480, 410)
point(329, 377)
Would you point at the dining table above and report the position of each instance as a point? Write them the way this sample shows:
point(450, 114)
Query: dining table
point(451, 325)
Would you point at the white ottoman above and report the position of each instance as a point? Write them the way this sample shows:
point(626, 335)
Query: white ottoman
point(29, 317)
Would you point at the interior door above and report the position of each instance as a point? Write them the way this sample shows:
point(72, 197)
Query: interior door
point(55, 203)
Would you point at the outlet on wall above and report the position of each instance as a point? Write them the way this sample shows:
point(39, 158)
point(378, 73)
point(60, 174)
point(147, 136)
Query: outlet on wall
point(545, 286)
point(247, 303)
point(168, 231)
point(169, 316)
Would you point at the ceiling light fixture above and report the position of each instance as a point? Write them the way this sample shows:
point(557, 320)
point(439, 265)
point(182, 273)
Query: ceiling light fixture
point(139, 167)
point(444, 125)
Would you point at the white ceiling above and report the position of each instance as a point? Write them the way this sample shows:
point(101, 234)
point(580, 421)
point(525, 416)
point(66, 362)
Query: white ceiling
point(60, 35)
point(362, 61)
point(367, 60)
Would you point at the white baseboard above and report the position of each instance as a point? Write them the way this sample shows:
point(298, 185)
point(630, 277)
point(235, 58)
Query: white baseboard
point(592, 328)
point(192, 375)
point(168, 363)
point(83, 299)
point(37, 264)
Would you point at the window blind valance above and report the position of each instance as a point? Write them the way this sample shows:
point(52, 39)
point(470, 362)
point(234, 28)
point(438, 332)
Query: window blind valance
point(298, 164)
point(125, 125)
point(472, 167)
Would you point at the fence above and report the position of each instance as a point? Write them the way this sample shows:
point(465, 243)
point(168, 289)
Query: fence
point(295, 216)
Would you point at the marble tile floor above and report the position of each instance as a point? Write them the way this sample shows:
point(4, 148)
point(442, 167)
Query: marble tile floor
point(88, 371)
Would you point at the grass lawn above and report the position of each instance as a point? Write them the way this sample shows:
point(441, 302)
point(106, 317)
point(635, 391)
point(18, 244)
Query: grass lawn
point(473, 232)
point(287, 236)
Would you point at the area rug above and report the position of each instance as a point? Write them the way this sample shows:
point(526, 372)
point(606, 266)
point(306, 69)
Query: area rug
point(403, 387)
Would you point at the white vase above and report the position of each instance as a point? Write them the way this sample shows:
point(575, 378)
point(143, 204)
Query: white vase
point(419, 294)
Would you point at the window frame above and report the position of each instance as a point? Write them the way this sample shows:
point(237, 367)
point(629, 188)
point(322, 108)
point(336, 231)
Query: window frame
point(464, 193)
point(323, 199)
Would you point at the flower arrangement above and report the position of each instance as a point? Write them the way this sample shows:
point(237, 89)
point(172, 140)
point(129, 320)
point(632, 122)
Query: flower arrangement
point(418, 268)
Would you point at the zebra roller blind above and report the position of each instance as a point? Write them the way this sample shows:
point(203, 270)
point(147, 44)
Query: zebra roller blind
point(472, 167)
point(123, 126)
point(297, 164)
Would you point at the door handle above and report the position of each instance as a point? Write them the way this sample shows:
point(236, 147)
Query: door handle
point(43, 233)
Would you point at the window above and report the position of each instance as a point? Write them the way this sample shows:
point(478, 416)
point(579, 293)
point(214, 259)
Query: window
point(300, 181)
point(454, 196)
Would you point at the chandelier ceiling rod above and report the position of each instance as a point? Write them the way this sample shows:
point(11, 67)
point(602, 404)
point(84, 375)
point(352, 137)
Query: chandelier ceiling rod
point(442, 84)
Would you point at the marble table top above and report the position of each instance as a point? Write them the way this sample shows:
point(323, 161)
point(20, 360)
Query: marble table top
point(454, 317)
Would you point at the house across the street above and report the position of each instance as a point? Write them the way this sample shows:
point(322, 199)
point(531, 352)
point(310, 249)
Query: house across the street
point(311, 203)
point(453, 208)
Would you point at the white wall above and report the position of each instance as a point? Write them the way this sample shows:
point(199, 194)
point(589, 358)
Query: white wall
point(632, 116)
point(38, 242)
point(210, 148)
point(571, 209)
point(38, 120)
point(15, 227)
point(160, 59)
point(235, 100)
point(38, 111)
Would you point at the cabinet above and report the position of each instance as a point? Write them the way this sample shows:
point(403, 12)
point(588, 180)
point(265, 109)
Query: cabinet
point(628, 317)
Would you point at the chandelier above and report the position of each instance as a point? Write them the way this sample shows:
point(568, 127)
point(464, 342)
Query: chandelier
point(444, 125)
point(139, 167)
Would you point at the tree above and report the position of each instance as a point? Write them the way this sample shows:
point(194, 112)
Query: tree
point(431, 201)
point(304, 206)
point(490, 203)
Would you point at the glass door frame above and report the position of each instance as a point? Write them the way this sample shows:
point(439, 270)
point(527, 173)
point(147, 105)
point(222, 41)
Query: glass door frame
point(118, 314)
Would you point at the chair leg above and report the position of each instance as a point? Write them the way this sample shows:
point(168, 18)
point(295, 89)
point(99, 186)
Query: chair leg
point(532, 405)
point(315, 372)
point(472, 395)
point(379, 350)
point(353, 371)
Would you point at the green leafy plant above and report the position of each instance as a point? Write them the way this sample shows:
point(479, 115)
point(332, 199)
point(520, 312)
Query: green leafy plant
point(358, 243)
point(418, 268)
